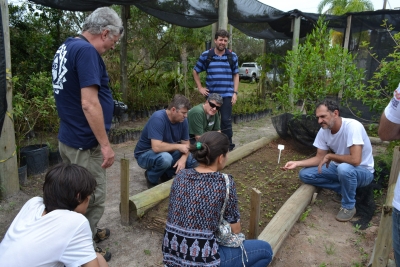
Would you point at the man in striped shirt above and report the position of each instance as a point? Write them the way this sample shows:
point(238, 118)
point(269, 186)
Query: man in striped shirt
point(222, 78)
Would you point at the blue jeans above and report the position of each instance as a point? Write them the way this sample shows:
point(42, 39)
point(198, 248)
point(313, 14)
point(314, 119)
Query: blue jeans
point(396, 235)
point(157, 164)
point(259, 254)
point(344, 179)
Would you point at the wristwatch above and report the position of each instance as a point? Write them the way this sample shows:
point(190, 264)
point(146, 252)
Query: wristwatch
point(235, 92)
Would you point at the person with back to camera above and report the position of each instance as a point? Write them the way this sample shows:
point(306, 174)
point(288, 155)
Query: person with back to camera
point(196, 199)
point(52, 231)
point(205, 117)
point(389, 129)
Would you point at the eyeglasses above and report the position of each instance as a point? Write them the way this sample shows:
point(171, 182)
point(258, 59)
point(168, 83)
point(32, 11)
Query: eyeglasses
point(212, 105)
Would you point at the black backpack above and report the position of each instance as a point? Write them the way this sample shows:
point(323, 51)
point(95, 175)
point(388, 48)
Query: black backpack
point(211, 54)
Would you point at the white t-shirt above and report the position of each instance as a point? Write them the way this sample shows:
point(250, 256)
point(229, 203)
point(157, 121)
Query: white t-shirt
point(59, 238)
point(351, 132)
point(392, 113)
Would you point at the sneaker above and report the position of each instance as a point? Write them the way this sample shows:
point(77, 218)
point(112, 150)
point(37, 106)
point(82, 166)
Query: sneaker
point(345, 215)
point(101, 234)
point(149, 184)
point(337, 198)
point(106, 255)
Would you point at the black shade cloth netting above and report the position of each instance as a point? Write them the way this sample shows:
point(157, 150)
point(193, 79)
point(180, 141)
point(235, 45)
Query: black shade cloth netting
point(303, 128)
point(3, 83)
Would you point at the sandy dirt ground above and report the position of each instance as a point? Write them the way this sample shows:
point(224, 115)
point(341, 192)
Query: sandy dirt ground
point(318, 240)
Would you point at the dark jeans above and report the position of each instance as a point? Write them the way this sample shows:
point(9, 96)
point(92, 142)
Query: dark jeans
point(226, 118)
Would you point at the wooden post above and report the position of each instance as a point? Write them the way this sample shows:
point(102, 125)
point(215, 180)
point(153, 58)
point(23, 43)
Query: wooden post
point(383, 243)
point(223, 14)
point(140, 203)
point(255, 202)
point(9, 183)
point(125, 192)
point(295, 43)
point(214, 29)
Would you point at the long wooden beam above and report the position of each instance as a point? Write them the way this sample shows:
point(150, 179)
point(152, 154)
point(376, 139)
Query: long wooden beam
point(140, 203)
point(279, 227)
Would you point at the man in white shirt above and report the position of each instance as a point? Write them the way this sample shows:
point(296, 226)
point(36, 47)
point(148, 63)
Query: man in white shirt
point(351, 165)
point(389, 129)
point(52, 231)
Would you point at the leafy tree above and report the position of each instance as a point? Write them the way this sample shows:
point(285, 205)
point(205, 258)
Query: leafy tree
point(318, 70)
point(35, 34)
point(341, 7)
point(386, 78)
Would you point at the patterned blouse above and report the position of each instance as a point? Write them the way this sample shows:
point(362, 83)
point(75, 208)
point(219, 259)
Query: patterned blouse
point(196, 201)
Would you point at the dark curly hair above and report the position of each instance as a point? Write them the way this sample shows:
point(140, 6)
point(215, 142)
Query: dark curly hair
point(212, 145)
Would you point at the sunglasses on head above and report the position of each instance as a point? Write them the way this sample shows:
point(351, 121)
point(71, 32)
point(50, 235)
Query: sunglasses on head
point(212, 105)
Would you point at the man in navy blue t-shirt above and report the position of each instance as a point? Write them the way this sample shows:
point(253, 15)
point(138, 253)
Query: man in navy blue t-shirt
point(222, 78)
point(163, 147)
point(85, 105)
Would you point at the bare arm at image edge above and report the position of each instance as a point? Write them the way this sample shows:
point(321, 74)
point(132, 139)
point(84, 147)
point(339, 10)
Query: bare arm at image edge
point(94, 114)
point(99, 261)
point(388, 130)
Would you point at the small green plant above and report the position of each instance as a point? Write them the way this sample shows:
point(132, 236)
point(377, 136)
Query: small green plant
point(147, 252)
point(323, 264)
point(357, 228)
point(304, 215)
point(330, 250)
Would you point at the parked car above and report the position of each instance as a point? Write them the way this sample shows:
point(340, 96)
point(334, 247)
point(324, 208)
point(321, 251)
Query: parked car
point(250, 71)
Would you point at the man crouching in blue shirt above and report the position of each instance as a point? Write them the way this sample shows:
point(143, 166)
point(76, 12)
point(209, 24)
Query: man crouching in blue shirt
point(163, 147)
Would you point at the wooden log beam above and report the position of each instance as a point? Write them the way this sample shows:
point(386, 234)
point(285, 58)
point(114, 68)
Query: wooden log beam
point(140, 203)
point(279, 227)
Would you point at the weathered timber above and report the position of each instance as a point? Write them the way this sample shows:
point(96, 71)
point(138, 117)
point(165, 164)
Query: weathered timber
point(140, 203)
point(255, 203)
point(383, 243)
point(279, 227)
point(125, 192)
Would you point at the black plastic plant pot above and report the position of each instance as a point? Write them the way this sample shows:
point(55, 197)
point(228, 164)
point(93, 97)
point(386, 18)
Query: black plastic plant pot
point(36, 158)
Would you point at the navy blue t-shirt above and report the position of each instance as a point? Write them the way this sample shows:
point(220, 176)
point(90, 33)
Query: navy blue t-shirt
point(159, 127)
point(76, 65)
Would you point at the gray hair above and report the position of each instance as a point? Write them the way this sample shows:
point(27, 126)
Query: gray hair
point(216, 97)
point(103, 18)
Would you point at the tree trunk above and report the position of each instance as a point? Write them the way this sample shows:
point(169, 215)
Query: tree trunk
point(184, 67)
point(9, 184)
